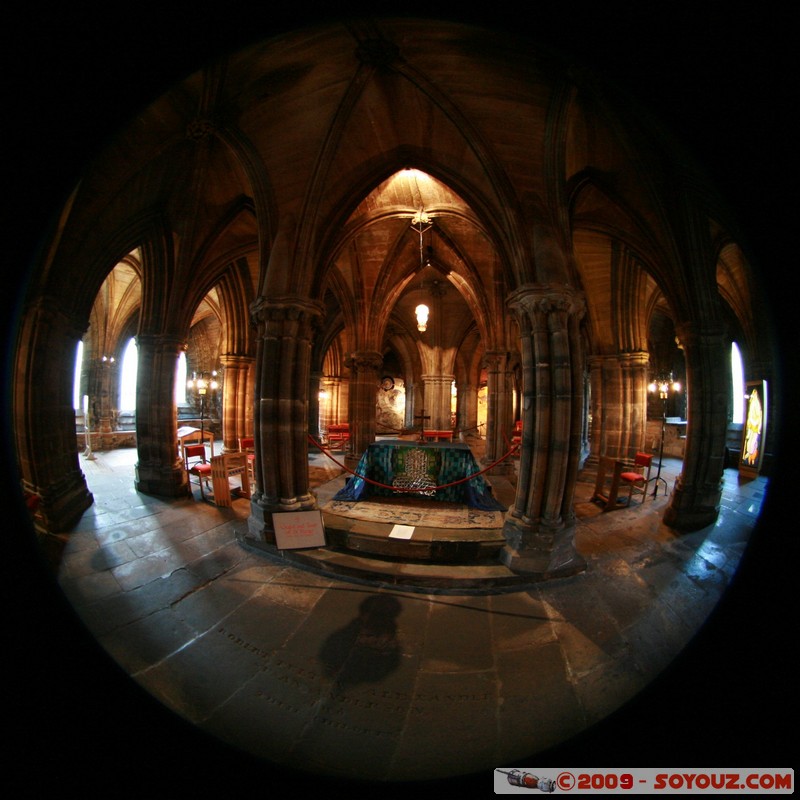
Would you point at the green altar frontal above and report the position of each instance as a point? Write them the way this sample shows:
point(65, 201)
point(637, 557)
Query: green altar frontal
point(443, 471)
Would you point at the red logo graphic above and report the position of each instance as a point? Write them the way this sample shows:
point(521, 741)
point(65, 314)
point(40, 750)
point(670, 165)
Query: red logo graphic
point(565, 781)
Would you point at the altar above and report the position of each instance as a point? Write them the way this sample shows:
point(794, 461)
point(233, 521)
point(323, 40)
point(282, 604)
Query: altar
point(432, 470)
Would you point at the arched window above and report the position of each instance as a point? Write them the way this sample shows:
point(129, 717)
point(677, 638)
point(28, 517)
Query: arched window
point(128, 370)
point(180, 380)
point(77, 403)
point(737, 385)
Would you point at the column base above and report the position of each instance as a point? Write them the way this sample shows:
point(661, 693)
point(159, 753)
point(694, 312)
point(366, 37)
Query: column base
point(160, 481)
point(62, 506)
point(260, 527)
point(691, 509)
point(541, 552)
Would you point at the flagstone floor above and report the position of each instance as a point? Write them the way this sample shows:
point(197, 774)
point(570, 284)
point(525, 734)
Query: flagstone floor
point(227, 665)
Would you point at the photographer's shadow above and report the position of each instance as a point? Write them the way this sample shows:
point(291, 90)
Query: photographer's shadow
point(366, 649)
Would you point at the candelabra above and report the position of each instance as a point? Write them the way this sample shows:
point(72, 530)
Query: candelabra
point(202, 382)
point(663, 386)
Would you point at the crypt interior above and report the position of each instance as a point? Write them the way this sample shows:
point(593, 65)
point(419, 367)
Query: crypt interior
point(272, 223)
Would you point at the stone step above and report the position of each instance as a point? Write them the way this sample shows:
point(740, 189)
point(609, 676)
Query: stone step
point(478, 576)
point(429, 544)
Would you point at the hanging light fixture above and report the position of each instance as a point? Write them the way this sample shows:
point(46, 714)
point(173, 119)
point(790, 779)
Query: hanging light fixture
point(421, 223)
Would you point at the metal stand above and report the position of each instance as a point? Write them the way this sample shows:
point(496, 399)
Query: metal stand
point(202, 420)
point(661, 454)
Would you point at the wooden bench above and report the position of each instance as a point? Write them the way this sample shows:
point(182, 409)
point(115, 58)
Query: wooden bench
point(338, 434)
point(437, 436)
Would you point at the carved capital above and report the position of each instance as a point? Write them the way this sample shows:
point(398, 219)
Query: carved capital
point(286, 309)
point(168, 342)
point(537, 302)
point(365, 360)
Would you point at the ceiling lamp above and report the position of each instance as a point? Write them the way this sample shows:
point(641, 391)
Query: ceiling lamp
point(421, 223)
point(422, 312)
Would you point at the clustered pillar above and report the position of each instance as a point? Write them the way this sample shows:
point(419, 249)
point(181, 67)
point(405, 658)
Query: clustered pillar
point(539, 530)
point(159, 468)
point(237, 403)
point(364, 368)
point(46, 445)
point(500, 398)
point(619, 405)
point(696, 497)
point(283, 365)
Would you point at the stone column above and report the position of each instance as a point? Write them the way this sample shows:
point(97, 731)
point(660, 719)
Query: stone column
point(607, 407)
point(332, 386)
point(286, 327)
point(619, 405)
point(468, 409)
point(436, 391)
point(44, 419)
point(411, 405)
point(237, 399)
point(634, 376)
point(695, 501)
point(159, 469)
point(365, 368)
point(105, 378)
point(539, 530)
point(500, 416)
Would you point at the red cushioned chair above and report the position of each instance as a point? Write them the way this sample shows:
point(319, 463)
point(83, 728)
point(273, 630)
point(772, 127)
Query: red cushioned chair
point(637, 477)
point(194, 457)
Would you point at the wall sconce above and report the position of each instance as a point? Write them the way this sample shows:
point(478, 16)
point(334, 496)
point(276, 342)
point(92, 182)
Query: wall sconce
point(422, 312)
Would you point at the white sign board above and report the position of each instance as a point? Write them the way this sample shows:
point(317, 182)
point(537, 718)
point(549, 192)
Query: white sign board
point(296, 529)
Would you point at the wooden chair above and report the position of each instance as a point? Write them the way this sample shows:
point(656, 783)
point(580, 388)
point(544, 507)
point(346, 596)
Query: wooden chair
point(194, 459)
point(516, 436)
point(637, 477)
point(606, 485)
point(223, 468)
point(247, 445)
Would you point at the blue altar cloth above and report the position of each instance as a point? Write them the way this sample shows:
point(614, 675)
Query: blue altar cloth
point(396, 464)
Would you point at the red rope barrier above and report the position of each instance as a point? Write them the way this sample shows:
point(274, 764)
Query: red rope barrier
point(411, 489)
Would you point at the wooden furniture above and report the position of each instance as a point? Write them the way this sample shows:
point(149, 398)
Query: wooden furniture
point(338, 434)
point(437, 436)
point(516, 436)
point(196, 464)
point(434, 470)
point(247, 445)
point(189, 435)
point(637, 476)
point(223, 468)
point(607, 483)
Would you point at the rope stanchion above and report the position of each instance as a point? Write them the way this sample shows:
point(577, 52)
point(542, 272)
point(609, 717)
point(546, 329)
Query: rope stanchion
point(413, 489)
